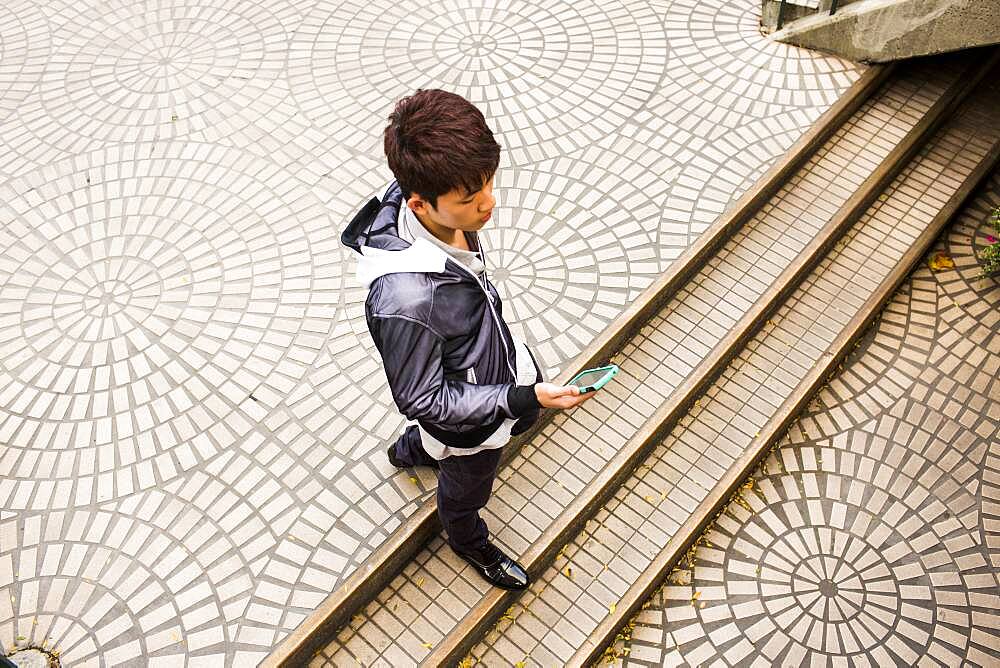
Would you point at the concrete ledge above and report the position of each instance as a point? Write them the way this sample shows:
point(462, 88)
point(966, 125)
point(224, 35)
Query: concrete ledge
point(878, 31)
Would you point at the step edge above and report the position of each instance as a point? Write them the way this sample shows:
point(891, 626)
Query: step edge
point(390, 557)
point(457, 643)
point(720, 496)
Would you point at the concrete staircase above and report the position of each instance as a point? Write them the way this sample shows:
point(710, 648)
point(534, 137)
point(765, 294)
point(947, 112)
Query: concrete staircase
point(717, 358)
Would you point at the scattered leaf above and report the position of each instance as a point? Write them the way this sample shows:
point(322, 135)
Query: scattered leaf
point(427, 645)
point(941, 262)
point(680, 576)
point(612, 607)
point(413, 480)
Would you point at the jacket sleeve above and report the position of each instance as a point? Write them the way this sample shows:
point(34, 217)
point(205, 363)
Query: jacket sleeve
point(411, 354)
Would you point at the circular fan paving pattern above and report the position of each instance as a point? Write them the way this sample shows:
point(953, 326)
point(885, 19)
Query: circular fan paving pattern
point(798, 576)
point(24, 50)
point(719, 54)
point(154, 579)
point(156, 70)
point(549, 76)
point(155, 308)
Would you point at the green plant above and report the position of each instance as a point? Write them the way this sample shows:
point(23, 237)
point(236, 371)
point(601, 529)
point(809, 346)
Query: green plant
point(989, 256)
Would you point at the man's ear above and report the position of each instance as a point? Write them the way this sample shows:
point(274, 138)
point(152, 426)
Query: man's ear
point(417, 204)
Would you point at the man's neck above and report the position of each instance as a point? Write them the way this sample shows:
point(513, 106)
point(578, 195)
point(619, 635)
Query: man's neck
point(455, 238)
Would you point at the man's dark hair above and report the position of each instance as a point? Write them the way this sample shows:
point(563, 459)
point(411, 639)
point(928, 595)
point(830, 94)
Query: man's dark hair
point(436, 142)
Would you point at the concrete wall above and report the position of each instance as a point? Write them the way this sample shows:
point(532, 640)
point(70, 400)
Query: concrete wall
point(882, 30)
point(794, 9)
point(769, 14)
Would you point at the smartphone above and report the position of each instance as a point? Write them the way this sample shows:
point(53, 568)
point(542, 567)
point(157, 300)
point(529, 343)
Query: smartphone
point(594, 379)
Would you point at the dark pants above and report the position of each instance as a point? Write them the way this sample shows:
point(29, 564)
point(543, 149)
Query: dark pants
point(464, 486)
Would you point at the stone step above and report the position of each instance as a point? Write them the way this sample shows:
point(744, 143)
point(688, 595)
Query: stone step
point(608, 571)
point(437, 607)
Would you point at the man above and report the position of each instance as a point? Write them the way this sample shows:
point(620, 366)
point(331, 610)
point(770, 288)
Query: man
point(452, 365)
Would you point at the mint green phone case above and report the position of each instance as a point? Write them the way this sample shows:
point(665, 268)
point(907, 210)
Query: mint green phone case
point(594, 379)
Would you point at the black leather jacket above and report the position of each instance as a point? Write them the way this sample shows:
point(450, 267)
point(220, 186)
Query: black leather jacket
point(432, 322)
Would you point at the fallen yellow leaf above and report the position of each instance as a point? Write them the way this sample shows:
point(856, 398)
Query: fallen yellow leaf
point(427, 645)
point(942, 261)
point(611, 608)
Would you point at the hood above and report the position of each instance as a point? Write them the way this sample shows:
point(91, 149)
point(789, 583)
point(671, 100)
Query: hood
point(420, 257)
point(374, 235)
point(375, 224)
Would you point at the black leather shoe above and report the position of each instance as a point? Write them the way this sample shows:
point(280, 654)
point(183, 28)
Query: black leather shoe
point(498, 569)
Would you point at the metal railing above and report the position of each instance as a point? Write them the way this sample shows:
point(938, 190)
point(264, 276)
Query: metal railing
point(781, 11)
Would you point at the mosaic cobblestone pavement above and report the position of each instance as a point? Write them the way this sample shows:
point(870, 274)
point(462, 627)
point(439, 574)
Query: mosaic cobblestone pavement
point(191, 416)
point(871, 536)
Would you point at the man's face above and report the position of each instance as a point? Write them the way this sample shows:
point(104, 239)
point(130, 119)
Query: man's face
point(457, 209)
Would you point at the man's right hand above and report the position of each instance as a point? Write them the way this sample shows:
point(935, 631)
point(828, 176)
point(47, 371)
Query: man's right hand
point(551, 395)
